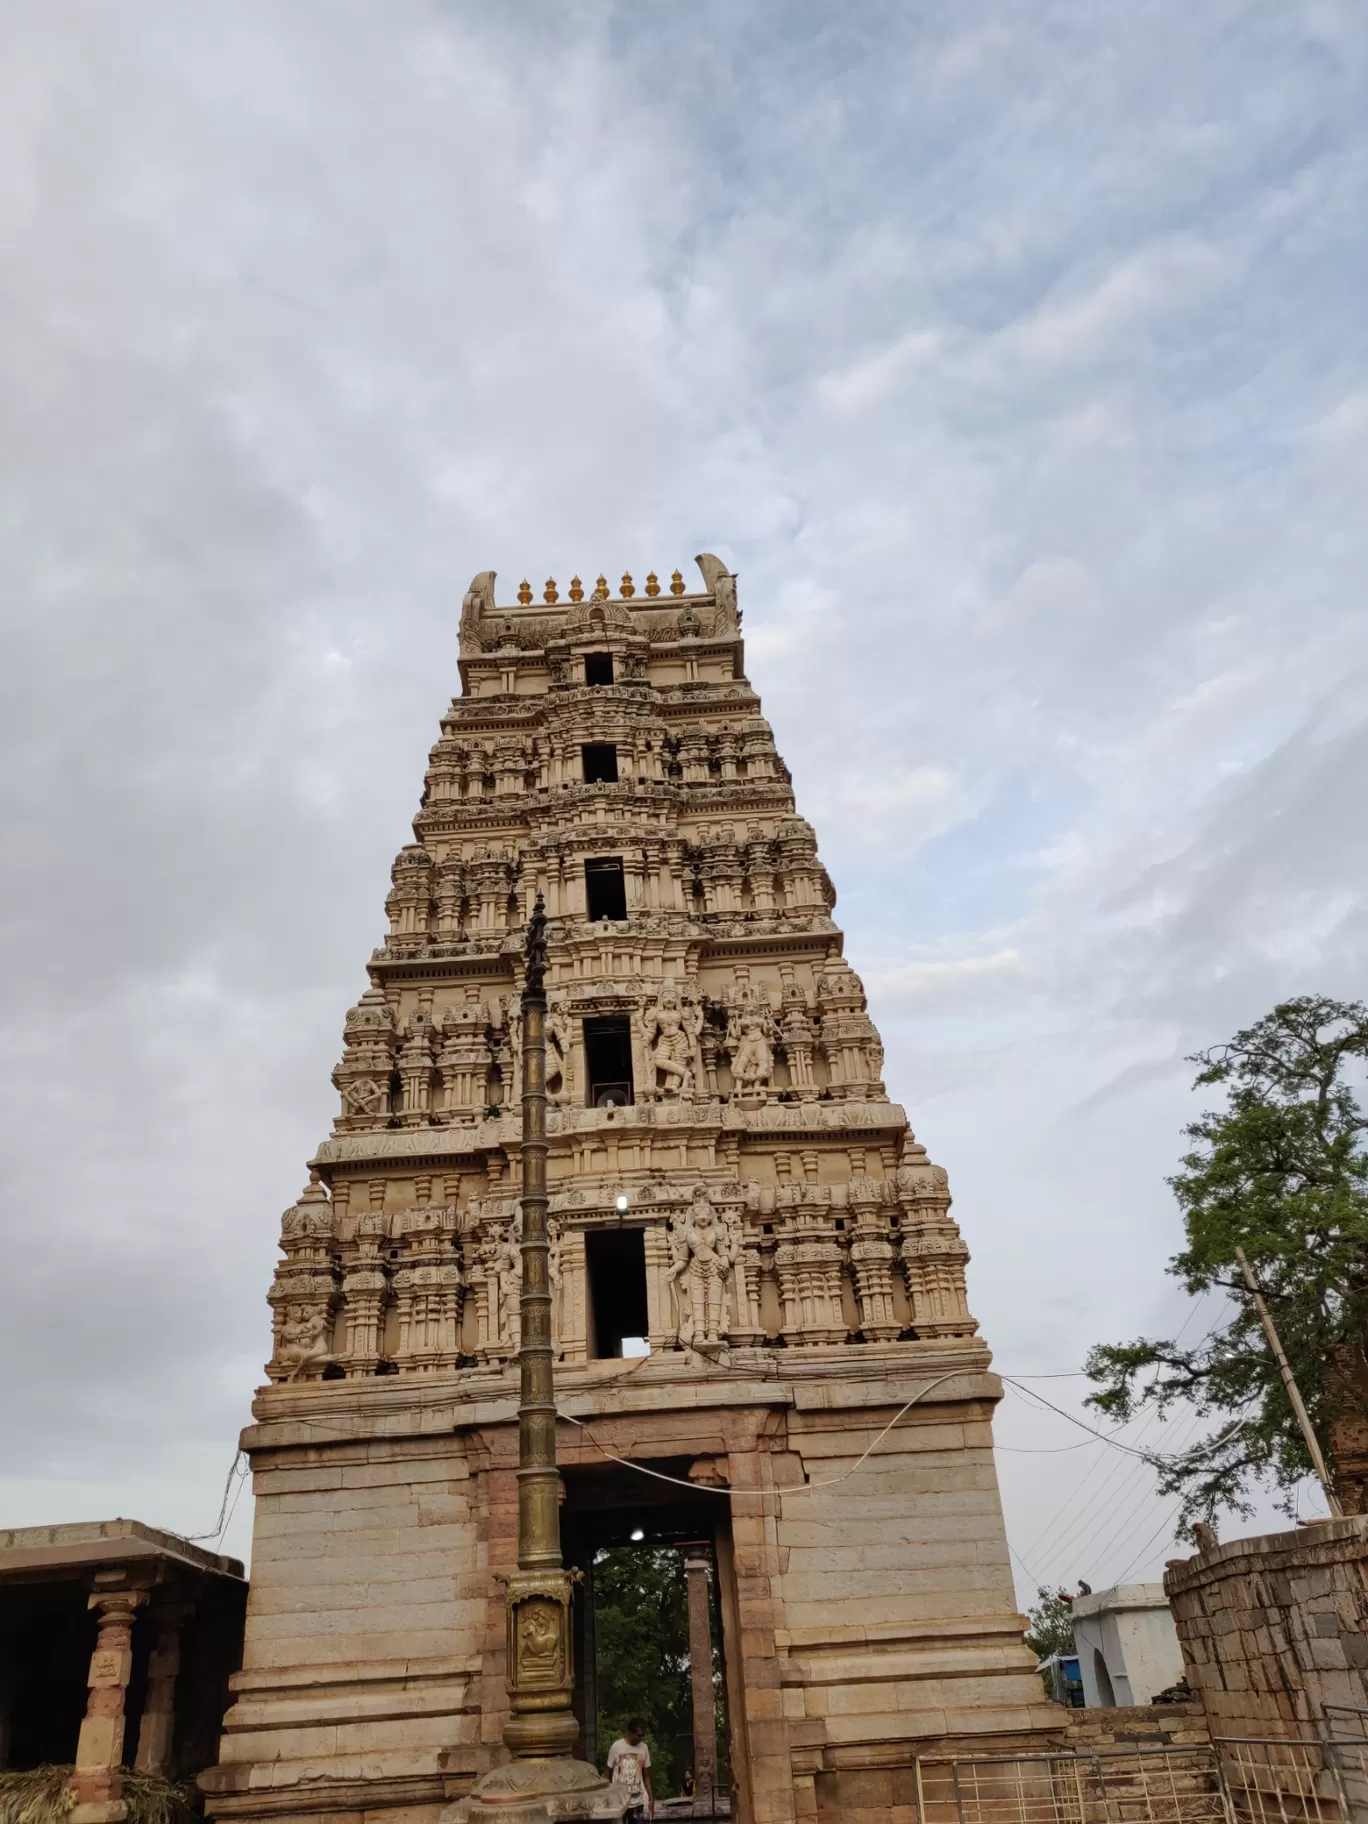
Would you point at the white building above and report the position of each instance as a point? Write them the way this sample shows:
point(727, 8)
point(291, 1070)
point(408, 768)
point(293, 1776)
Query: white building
point(1126, 1643)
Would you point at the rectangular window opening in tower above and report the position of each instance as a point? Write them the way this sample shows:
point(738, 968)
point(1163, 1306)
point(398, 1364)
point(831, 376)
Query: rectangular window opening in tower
point(598, 667)
point(600, 763)
point(616, 1262)
point(605, 889)
point(608, 1061)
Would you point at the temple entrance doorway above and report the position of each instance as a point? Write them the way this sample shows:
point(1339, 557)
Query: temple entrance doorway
point(654, 1618)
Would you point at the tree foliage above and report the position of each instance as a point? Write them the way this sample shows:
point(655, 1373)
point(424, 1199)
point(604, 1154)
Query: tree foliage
point(1051, 1619)
point(1281, 1171)
point(641, 1625)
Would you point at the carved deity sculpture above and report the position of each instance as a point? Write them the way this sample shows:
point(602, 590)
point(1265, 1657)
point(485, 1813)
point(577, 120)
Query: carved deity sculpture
point(503, 1275)
point(306, 1341)
point(365, 1097)
point(560, 1057)
point(752, 1060)
point(704, 1248)
point(555, 1269)
point(512, 1014)
point(672, 1029)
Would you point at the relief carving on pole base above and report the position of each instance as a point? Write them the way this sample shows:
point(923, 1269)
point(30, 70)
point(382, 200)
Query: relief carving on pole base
point(541, 1672)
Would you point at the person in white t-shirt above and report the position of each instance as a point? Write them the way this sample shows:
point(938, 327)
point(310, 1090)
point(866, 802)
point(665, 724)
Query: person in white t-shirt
point(629, 1766)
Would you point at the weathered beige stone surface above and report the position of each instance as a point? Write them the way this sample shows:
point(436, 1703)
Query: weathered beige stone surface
point(804, 1281)
point(1275, 1627)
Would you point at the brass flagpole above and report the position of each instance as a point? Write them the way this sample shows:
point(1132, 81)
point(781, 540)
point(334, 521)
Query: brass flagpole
point(541, 1779)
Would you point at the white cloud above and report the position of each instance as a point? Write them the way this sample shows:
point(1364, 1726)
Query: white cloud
point(1017, 363)
point(949, 979)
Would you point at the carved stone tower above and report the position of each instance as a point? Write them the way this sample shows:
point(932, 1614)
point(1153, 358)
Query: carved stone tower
point(759, 1292)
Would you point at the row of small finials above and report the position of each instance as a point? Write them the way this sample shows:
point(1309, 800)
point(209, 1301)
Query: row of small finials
point(628, 590)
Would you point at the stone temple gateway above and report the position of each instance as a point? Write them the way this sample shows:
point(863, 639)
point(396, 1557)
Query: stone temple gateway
point(753, 1263)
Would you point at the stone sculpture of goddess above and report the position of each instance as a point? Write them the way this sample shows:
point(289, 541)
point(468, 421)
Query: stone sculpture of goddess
point(503, 1275)
point(703, 1250)
point(672, 1029)
point(753, 1061)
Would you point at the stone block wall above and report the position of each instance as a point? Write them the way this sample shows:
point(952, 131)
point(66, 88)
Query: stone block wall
point(1137, 1726)
point(1275, 1627)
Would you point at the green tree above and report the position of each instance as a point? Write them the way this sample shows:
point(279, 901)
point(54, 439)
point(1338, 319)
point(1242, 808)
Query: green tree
point(1051, 1619)
point(1281, 1171)
point(641, 1625)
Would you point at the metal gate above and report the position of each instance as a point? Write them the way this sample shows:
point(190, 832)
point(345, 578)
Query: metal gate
point(1319, 1779)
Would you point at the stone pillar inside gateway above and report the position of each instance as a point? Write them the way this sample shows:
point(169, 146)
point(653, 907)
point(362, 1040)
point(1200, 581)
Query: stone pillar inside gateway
point(754, 1266)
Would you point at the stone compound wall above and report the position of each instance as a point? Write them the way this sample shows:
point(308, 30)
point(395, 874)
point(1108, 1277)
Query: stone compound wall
point(1137, 1726)
point(1274, 1627)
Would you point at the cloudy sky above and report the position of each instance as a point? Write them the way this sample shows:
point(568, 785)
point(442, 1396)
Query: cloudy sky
point(1015, 356)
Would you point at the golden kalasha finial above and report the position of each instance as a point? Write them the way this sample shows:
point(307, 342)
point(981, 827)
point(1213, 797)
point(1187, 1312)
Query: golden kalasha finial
point(652, 583)
point(550, 593)
point(576, 589)
point(524, 592)
point(676, 584)
point(601, 587)
point(628, 586)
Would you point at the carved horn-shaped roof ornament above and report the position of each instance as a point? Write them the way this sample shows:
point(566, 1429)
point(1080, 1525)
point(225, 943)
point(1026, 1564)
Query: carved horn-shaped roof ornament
point(479, 599)
point(720, 584)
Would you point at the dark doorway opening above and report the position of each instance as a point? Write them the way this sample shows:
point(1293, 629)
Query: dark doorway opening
point(632, 1536)
point(598, 667)
point(605, 889)
point(600, 763)
point(616, 1259)
point(608, 1062)
point(51, 1634)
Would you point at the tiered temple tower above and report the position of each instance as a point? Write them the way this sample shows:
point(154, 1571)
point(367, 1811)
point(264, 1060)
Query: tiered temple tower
point(753, 1263)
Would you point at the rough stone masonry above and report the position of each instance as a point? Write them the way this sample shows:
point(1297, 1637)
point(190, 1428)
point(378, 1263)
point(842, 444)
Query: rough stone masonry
point(753, 1262)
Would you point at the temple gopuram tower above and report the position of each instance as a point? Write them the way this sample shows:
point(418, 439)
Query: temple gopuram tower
point(754, 1268)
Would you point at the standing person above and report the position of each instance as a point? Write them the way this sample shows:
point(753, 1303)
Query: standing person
point(629, 1766)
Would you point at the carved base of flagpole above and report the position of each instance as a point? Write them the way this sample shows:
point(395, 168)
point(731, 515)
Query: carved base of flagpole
point(532, 1792)
point(542, 1781)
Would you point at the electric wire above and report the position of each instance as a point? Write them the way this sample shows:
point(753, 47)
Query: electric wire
point(1118, 1537)
point(1119, 1486)
point(242, 1483)
point(1116, 1489)
point(1109, 1466)
point(1046, 1450)
point(1099, 1513)
point(1165, 1526)
point(224, 1516)
point(1149, 1421)
point(1035, 1581)
point(804, 1488)
point(1106, 1439)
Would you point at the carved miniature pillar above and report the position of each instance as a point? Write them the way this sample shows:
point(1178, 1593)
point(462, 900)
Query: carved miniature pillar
point(634, 882)
point(659, 1317)
point(748, 1331)
point(96, 1783)
point(158, 1722)
point(574, 1336)
point(697, 1570)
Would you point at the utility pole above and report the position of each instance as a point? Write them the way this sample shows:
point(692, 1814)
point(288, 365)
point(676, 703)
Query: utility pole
point(1293, 1391)
point(541, 1780)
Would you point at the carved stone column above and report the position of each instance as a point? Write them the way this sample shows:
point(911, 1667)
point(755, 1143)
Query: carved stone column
point(157, 1727)
point(697, 1570)
point(96, 1784)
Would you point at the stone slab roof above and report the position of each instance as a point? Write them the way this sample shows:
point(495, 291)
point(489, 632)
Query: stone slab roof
point(32, 1551)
